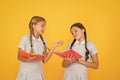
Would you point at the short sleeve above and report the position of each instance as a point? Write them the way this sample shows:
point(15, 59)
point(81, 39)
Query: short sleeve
point(93, 49)
point(22, 43)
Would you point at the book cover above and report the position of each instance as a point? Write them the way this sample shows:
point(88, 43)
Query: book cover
point(26, 54)
point(67, 53)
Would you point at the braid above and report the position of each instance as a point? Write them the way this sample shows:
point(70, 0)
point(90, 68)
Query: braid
point(31, 44)
point(72, 43)
point(45, 48)
point(87, 51)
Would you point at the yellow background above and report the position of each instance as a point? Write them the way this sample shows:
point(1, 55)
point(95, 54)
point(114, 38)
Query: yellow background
point(100, 17)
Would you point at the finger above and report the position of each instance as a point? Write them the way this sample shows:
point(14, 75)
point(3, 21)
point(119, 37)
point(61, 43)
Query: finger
point(71, 56)
point(38, 57)
point(61, 42)
point(68, 55)
point(33, 57)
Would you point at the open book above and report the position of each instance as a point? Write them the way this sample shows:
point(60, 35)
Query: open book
point(27, 55)
point(70, 52)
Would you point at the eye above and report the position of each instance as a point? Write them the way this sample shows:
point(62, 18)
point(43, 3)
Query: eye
point(75, 31)
point(71, 33)
point(42, 26)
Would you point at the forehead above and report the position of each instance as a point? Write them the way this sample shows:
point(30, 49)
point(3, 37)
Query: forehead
point(41, 22)
point(75, 28)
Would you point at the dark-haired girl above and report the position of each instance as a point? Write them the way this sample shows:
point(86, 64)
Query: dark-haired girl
point(34, 43)
point(77, 70)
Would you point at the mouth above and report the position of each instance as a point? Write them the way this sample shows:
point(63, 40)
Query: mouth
point(42, 31)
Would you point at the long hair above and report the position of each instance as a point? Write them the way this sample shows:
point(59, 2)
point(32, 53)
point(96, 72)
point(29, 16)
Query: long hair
point(34, 21)
point(79, 25)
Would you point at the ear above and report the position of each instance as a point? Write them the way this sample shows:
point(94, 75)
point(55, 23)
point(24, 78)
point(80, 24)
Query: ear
point(33, 26)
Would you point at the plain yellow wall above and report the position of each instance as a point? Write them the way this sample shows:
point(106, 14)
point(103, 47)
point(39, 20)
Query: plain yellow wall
point(100, 17)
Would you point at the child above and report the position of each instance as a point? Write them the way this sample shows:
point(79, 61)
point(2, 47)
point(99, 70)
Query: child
point(31, 67)
point(77, 70)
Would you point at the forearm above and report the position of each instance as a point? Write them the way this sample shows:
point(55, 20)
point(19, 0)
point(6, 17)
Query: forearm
point(93, 65)
point(23, 59)
point(48, 55)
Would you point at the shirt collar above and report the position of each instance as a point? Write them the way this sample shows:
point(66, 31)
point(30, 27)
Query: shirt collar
point(82, 42)
point(35, 38)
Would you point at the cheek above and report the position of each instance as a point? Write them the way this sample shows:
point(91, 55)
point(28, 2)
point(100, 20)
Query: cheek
point(38, 29)
point(80, 34)
point(41, 30)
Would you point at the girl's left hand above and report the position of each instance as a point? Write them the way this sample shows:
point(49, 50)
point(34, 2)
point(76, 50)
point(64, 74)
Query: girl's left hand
point(59, 43)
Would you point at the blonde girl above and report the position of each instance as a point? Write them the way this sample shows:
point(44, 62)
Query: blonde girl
point(34, 43)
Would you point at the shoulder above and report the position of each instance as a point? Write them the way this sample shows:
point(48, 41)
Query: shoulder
point(90, 43)
point(25, 37)
point(92, 47)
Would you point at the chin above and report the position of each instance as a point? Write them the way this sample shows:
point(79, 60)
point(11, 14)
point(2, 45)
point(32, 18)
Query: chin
point(40, 33)
point(76, 38)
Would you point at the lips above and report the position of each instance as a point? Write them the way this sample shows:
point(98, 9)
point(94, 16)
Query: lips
point(42, 31)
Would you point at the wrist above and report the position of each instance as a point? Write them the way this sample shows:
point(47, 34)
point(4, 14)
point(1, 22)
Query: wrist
point(80, 61)
point(54, 46)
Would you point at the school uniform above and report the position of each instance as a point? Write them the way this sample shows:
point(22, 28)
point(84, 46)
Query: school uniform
point(31, 70)
point(77, 71)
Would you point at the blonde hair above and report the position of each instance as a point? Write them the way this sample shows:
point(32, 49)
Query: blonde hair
point(34, 21)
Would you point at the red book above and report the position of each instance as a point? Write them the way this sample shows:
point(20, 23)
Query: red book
point(26, 54)
point(67, 53)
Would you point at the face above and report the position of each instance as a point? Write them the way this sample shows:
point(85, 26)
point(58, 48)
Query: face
point(39, 28)
point(77, 33)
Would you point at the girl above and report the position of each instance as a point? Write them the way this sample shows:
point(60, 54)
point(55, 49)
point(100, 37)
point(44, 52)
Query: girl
point(77, 70)
point(31, 67)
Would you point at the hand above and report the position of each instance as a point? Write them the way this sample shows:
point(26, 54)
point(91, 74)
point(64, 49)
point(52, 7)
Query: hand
point(35, 58)
point(70, 58)
point(59, 43)
point(79, 61)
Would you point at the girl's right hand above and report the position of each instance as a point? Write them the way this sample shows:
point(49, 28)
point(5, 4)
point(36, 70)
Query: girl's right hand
point(70, 58)
point(67, 61)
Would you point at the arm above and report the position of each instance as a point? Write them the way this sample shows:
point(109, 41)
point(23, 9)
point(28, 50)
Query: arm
point(48, 55)
point(94, 64)
point(29, 59)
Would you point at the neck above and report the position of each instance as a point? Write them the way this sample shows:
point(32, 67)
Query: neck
point(81, 39)
point(36, 35)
